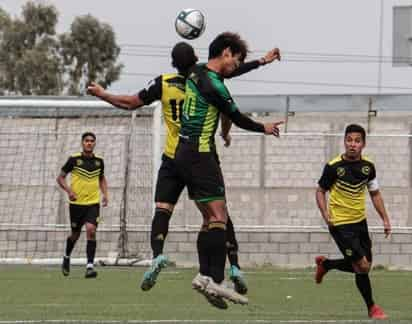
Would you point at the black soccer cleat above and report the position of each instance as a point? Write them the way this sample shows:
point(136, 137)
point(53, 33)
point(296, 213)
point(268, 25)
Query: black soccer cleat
point(66, 266)
point(90, 273)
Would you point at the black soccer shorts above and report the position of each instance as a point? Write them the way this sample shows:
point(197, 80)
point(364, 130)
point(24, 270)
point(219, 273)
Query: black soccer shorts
point(81, 214)
point(169, 183)
point(200, 171)
point(353, 240)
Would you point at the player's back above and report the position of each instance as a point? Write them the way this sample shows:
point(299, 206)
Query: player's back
point(173, 95)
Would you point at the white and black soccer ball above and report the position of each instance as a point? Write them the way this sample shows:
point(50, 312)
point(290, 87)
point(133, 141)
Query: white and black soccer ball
point(190, 23)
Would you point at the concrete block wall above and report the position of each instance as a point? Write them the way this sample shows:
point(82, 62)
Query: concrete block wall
point(270, 187)
point(284, 248)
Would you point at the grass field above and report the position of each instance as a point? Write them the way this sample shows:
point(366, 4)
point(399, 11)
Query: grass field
point(36, 294)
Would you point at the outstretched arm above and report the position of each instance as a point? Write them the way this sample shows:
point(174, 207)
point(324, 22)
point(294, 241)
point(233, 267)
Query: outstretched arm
point(273, 54)
point(120, 101)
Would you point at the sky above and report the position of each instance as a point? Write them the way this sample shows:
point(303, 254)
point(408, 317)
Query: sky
point(306, 31)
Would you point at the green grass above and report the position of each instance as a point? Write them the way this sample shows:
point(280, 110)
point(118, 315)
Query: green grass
point(42, 293)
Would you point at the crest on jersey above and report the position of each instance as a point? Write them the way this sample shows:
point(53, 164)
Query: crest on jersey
point(348, 252)
point(340, 172)
point(79, 162)
point(366, 170)
point(97, 163)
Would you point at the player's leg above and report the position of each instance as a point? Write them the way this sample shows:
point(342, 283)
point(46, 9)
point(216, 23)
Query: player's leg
point(76, 226)
point(341, 235)
point(232, 246)
point(200, 281)
point(215, 251)
point(169, 186)
point(159, 231)
point(204, 180)
point(91, 222)
point(215, 242)
point(362, 263)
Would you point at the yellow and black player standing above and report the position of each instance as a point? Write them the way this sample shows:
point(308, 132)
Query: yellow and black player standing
point(346, 178)
point(87, 180)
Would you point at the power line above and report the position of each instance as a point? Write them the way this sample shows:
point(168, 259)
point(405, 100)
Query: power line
point(284, 59)
point(297, 53)
point(323, 84)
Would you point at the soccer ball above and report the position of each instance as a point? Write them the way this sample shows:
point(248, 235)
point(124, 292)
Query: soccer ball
point(190, 23)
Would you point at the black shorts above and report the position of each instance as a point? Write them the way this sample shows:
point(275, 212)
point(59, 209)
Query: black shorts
point(169, 184)
point(353, 240)
point(81, 214)
point(200, 171)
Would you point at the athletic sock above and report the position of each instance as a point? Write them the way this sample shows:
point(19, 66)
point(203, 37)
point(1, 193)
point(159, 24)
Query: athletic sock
point(216, 240)
point(201, 245)
point(69, 247)
point(364, 285)
point(90, 251)
point(160, 228)
point(339, 264)
point(231, 244)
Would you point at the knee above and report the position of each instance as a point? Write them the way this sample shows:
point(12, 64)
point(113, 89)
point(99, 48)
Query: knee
point(363, 266)
point(162, 205)
point(74, 236)
point(91, 233)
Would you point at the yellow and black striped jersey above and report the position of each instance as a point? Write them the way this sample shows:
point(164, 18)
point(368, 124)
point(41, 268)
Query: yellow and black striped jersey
point(86, 173)
point(170, 90)
point(347, 181)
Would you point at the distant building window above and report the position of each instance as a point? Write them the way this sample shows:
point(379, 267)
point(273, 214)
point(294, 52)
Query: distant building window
point(402, 36)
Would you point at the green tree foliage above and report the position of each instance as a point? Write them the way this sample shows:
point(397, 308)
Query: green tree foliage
point(90, 52)
point(36, 61)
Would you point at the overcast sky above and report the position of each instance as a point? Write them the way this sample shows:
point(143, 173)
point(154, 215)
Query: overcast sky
point(297, 27)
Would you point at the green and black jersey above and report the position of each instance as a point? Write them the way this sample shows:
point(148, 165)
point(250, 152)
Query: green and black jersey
point(86, 173)
point(206, 97)
point(347, 181)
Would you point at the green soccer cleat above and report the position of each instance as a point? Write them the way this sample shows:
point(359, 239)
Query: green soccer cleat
point(150, 276)
point(66, 266)
point(236, 277)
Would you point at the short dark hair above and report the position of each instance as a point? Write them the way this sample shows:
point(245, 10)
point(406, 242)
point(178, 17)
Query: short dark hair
point(355, 128)
point(228, 40)
point(183, 57)
point(88, 134)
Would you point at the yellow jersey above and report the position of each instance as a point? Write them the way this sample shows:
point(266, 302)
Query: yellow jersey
point(347, 181)
point(86, 173)
point(170, 90)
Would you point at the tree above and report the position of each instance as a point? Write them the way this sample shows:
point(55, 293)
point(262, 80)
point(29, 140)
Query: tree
point(90, 51)
point(29, 52)
point(36, 61)
point(4, 23)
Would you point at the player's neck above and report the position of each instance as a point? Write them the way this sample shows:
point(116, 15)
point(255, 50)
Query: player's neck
point(351, 158)
point(215, 65)
point(87, 154)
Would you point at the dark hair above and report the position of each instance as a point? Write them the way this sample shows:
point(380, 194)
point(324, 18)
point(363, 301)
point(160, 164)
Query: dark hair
point(88, 134)
point(183, 57)
point(231, 41)
point(355, 128)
